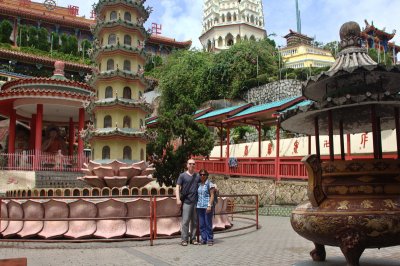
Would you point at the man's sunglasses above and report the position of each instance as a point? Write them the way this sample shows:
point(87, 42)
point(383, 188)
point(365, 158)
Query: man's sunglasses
point(191, 163)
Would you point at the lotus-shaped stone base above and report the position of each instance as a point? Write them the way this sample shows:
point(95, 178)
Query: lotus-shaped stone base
point(117, 174)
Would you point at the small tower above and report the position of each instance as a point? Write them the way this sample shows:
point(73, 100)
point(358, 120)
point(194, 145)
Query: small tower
point(226, 22)
point(119, 110)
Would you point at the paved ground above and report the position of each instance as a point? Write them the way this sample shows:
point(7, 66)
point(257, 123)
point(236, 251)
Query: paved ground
point(274, 244)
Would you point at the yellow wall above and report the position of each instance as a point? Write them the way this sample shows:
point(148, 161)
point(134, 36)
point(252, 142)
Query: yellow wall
point(308, 55)
point(120, 13)
point(118, 87)
point(118, 117)
point(117, 148)
point(119, 60)
point(120, 34)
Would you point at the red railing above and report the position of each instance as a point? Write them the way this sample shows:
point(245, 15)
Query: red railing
point(283, 168)
point(31, 161)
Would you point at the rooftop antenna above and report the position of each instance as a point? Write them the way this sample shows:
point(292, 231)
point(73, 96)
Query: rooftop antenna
point(298, 17)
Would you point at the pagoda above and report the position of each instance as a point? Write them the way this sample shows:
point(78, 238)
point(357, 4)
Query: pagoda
point(379, 39)
point(119, 110)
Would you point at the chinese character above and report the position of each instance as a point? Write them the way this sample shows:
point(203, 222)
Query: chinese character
point(73, 10)
point(269, 148)
point(24, 2)
point(246, 151)
point(364, 139)
point(326, 143)
point(12, 180)
point(156, 28)
point(295, 146)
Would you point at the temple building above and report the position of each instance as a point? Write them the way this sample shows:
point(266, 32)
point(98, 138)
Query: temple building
point(299, 52)
point(226, 22)
point(374, 38)
point(59, 20)
point(119, 110)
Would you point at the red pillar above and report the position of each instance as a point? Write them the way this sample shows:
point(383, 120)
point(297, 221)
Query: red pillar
point(38, 135)
point(342, 153)
point(397, 123)
point(38, 129)
point(259, 139)
point(330, 129)
point(80, 128)
point(71, 137)
point(278, 140)
point(12, 131)
point(316, 128)
point(348, 146)
point(221, 140)
point(374, 132)
point(227, 150)
point(32, 124)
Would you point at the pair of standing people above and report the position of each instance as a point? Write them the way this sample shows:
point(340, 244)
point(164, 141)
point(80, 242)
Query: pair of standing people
point(195, 193)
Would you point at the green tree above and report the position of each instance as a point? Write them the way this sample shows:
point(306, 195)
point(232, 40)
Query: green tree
point(231, 68)
point(72, 45)
point(32, 36)
point(22, 39)
point(6, 29)
point(43, 39)
point(64, 43)
point(85, 46)
point(178, 125)
point(382, 58)
point(334, 47)
point(55, 39)
point(153, 62)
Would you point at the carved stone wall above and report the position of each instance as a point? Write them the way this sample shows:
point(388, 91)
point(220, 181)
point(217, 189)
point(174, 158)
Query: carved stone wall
point(270, 192)
point(51, 179)
point(274, 91)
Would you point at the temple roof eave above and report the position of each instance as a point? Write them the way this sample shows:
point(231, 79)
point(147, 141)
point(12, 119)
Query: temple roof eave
point(145, 12)
point(123, 102)
point(36, 59)
point(118, 47)
point(117, 73)
point(99, 27)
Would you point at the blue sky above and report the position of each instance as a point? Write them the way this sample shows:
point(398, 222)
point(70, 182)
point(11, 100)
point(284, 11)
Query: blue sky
point(181, 19)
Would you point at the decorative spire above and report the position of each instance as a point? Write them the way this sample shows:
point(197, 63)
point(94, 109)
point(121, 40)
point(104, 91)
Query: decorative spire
point(352, 55)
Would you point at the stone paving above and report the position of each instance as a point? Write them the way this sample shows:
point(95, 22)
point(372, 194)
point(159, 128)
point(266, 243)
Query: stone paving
point(275, 243)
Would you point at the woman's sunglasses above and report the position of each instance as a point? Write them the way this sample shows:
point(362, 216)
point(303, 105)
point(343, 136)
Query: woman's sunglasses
point(203, 175)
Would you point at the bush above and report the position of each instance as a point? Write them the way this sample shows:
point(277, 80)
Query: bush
point(6, 29)
point(43, 43)
point(22, 39)
point(32, 36)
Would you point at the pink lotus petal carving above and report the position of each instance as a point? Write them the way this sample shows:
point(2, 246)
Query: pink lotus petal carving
point(118, 174)
point(218, 221)
point(142, 165)
point(167, 207)
point(116, 165)
point(91, 165)
point(54, 209)
point(102, 171)
point(138, 227)
point(81, 229)
point(93, 181)
point(15, 211)
point(116, 181)
point(148, 171)
point(4, 214)
point(130, 171)
point(86, 171)
point(111, 228)
point(32, 210)
point(140, 181)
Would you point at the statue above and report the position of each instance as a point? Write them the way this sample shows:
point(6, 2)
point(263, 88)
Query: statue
point(54, 142)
